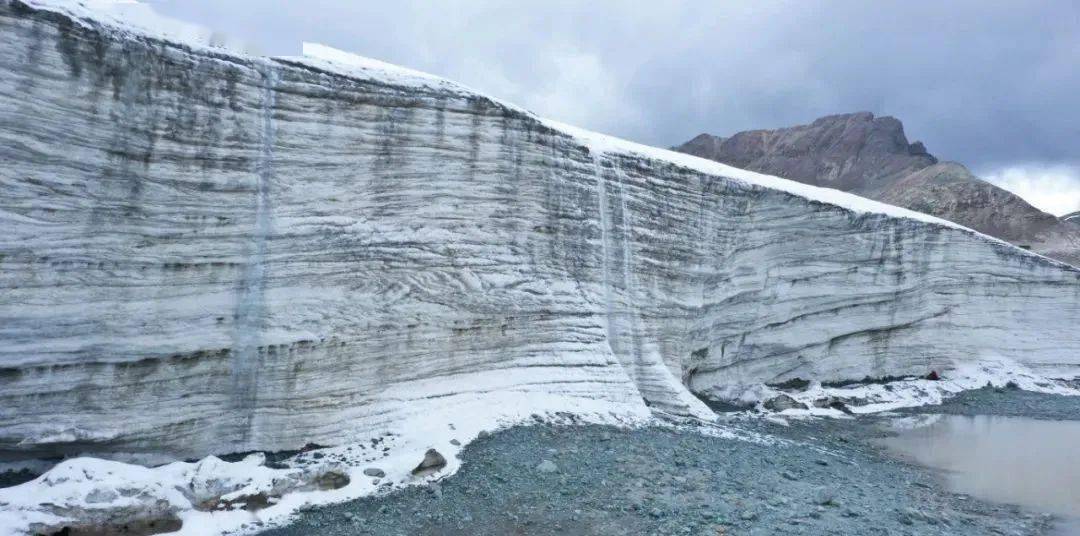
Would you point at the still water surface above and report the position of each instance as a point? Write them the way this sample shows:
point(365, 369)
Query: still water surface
point(1012, 460)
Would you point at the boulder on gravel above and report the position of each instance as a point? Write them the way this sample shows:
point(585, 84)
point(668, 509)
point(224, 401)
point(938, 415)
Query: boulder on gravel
point(834, 403)
point(432, 463)
point(783, 402)
point(547, 466)
point(824, 496)
point(375, 472)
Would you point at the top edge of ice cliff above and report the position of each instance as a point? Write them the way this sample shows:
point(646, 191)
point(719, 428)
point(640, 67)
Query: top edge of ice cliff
point(105, 14)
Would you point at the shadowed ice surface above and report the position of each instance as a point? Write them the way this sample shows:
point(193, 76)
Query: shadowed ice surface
point(1032, 463)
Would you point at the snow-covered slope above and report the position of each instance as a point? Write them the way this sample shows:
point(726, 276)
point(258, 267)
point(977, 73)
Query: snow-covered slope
point(205, 252)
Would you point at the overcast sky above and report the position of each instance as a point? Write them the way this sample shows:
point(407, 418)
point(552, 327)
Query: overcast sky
point(992, 84)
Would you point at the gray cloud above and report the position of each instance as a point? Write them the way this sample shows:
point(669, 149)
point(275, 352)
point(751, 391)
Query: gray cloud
point(988, 83)
point(1054, 189)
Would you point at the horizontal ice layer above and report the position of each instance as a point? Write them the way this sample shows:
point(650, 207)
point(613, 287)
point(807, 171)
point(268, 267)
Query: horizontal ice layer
point(205, 252)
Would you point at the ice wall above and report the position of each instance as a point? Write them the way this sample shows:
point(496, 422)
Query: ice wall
point(205, 252)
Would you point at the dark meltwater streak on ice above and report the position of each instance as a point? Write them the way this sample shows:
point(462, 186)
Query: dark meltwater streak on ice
point(1021, 461)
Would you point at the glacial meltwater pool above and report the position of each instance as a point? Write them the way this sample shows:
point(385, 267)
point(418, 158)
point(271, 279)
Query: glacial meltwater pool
point(1028, 462)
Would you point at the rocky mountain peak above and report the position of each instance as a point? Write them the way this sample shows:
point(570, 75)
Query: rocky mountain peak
point(854, 152)
point(870, 135)
point(871, 156)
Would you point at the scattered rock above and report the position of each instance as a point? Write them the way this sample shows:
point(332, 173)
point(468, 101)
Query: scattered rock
point(330, 479)
point(933, 376)
point(909, 516)
point(101, 495)
point(132, 527)
point(825, 496)
point(795, 384)
point(435, 490)
point(783, 402)
point(834, 403)
point(547, 466)
point(375, 472)
point(432, 463)
point(635, 483)
point(455, 442)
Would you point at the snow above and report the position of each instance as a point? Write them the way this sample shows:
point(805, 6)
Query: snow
point(133, 16)
point(359, 66)
point(352, 65)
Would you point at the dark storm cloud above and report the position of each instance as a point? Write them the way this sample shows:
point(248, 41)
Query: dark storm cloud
point(991, 84)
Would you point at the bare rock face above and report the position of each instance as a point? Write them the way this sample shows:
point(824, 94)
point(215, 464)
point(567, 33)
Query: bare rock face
point(870, 156)
point(856, 153)
point(949, 190)
point(207, 253)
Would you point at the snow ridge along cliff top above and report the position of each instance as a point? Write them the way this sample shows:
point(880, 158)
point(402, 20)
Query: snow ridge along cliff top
point(356, 66)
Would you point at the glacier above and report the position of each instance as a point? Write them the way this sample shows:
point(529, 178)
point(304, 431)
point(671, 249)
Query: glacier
point(208, 252)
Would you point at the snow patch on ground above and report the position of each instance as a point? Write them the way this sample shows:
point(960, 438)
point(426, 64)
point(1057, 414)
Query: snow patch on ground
point(212, 496)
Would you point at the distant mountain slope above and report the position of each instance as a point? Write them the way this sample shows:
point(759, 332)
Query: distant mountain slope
point(1072, 218)
point(872, 157)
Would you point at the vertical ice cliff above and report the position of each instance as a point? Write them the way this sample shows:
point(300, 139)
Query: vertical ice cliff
point(206, 252)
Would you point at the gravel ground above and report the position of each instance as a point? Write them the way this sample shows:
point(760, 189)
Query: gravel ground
point(823, 476)
point(600, 480)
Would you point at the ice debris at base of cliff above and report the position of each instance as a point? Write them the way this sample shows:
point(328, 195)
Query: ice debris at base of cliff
point(816, 400)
